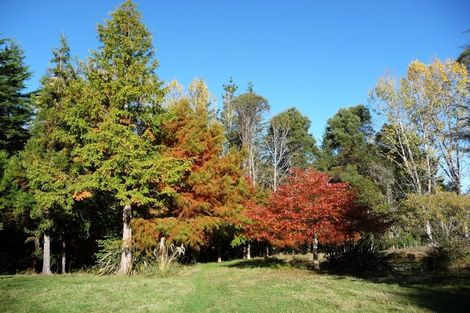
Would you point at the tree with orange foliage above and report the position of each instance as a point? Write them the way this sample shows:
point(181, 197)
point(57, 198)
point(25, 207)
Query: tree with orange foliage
point(211, 195)
point(308, 207)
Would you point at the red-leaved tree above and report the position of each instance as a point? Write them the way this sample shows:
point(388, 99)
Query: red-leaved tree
point(308, 207)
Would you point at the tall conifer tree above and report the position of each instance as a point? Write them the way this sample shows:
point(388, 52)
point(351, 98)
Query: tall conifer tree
point(120, 153)
point(15, 110)
point(47, 157)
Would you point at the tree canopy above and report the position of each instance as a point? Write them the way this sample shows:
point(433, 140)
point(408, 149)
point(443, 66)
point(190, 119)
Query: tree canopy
point(15, 108)
point(106, 164)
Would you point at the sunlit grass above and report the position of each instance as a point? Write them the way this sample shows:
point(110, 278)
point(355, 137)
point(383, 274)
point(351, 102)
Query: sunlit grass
point(236, 286)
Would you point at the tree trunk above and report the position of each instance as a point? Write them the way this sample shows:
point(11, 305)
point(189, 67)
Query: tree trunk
point(219, 257)
point(316, 262)
point(63, 258)
point(248, 251)
point(126, 255)
point(46, 259)
point(428, 231)
point(34, 258)
point(266, 251)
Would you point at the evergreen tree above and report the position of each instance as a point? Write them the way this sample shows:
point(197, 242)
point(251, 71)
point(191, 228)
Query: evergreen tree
point(348, 154)
point(15, 116)
point(301, 143)
point(47, 156)
point(15, 110)
point(17, 229)
point(347, 136)
point(120, 153)
point(287, 144)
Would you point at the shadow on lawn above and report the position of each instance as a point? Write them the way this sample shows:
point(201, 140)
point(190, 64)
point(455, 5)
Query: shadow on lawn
point(445, 292)
point(273, 262)
point(452, 299)
point(449, 292)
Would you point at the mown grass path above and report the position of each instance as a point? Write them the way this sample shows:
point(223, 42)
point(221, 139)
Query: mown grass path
point(237, 286)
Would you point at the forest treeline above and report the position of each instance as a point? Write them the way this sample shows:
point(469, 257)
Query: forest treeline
point(106, 154)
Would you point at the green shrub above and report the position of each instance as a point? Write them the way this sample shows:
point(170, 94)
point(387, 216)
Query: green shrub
point(108, 257)
point(444, 253)
point(356, 257)
point(160, 261)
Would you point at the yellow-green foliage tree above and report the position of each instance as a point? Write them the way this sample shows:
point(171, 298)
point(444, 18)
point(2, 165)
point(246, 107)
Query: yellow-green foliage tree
point(423, 111)
point(120, 112)
point(430, 102)
point(448, 212)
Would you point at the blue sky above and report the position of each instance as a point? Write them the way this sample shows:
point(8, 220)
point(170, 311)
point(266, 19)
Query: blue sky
point(315, 55)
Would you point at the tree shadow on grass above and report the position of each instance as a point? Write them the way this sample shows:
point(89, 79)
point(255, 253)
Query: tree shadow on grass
point(448, 292)
point(438, 299)
point(437, 292)
point(273, 263)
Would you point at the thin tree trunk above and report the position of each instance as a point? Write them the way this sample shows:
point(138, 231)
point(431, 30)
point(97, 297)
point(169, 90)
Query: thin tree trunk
point(266, 251)
point(429, 231)
point(126, 255)
point(63, 258)
point(244, 251)
point(34, 258)
point(219, 257)
point(46, 259)
point(248, 251)
point(316, 262)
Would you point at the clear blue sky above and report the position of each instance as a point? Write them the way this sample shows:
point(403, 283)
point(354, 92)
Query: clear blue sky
point(315, 55)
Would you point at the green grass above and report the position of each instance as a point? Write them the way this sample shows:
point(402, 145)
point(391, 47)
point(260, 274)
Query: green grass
point(236, 286)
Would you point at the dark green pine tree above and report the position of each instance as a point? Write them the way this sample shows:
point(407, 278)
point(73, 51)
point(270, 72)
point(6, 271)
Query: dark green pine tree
point(47, 155)
point(287, 144)
point(15, 116)
point(301, 143)
point(15, 109)
point(120, 155)
point(347, 136)
point(349, 154)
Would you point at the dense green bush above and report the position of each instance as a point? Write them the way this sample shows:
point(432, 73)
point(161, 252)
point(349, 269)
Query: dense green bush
point(356, 257)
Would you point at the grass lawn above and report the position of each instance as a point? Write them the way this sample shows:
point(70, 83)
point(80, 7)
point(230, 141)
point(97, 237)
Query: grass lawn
point(236, 286)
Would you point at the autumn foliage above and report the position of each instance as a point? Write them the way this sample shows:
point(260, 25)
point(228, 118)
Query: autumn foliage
point(308, 203)
point(211, 192)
